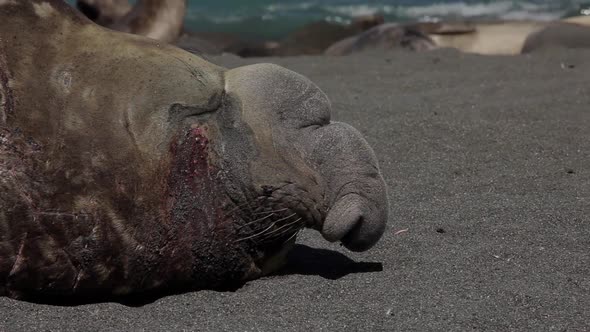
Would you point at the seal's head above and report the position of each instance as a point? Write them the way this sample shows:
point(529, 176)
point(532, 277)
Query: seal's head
point(262, 148)
point(257, 147)
point(323, 171)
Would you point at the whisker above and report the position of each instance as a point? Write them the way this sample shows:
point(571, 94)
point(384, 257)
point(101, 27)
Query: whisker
point(292, 236)
point(273, 233)
point(257, 234)
point(273, 211)
point(255, 221)
point(278, 235)
point(266, 229)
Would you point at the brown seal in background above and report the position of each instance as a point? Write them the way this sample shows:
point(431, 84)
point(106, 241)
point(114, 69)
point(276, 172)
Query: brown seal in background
point(156, 19)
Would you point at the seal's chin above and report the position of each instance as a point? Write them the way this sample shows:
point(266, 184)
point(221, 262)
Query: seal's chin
point(270, 222)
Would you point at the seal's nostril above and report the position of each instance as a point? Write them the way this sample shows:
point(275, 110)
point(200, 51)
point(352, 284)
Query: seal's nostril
point(355, 222)
point(342, 218)
point(350, 240)
point(365, 233)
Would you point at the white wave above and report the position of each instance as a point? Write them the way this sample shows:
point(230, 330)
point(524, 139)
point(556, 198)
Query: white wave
point(282, 7)
point(361, 10)
point(226, 19)
point(460, 9)
point(499, 9)
point(525, 15)
point(533, 7)
point(338, 20)
point(268, 17)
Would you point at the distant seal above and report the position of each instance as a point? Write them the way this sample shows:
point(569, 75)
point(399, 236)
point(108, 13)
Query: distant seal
point(128, 165)
point(157, 19)
point(226, 43)
point(489, 38)
point(314, 38)
point(104, 12)
point(558, 35)
point(500, 38)
point(581, 20)
point(385, 37)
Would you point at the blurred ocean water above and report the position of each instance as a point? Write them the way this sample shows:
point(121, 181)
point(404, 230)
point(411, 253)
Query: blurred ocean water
point(272, 19)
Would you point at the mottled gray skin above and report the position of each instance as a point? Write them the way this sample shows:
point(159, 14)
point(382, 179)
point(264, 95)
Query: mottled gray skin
point(128, 166)
point(558, 35)
point(385, 36)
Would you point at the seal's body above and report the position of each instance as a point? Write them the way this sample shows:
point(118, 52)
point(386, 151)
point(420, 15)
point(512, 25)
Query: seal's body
point(127, 165)
point(573, 32)
point(490, 38)
point(500, 38)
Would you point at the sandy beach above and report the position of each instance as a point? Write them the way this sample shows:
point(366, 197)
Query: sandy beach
point(486, 160)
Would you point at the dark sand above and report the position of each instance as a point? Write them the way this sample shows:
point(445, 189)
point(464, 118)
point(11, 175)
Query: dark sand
point(487, 161)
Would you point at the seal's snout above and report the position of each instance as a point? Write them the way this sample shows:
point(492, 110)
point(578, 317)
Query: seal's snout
point(331, 161)
point(359, 207)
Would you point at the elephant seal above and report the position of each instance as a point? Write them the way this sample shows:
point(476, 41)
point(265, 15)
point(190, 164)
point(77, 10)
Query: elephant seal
point(128, 165)
point(157, 19)
point(314, 38)
point(559, 34)
point(500, 38)
point(580, 19)
point(104, 12)
point(488, 38)
point(385, 36)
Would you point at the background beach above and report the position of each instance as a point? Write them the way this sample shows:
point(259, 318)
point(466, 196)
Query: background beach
point(272, 19)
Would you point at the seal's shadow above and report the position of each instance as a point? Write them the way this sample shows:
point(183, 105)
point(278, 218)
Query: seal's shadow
point(328, 264)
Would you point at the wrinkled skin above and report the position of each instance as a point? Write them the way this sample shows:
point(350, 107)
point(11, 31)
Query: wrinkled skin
point(127, 165)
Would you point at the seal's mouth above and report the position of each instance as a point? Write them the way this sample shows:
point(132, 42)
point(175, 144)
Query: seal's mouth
point(278, 214)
